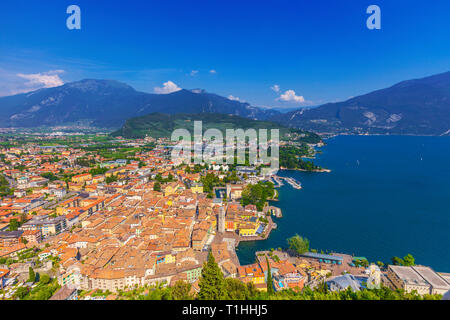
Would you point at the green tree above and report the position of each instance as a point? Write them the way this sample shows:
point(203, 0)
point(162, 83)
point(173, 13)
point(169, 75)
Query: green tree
point(13, 225)
point(23, 218)
point(181, 291)
point(409, 260)
point(257, 194)
point(21, 293)
point(212, 284)
point(98, 170)
point(361, 263)
point(31, 275)
point(44, 279)
point(237, 290)
point(159, 178)
point(270, 290)
point(322, 287)
point(157, 186)
point(111, 179)
point(290, 157)
point(298, 244)
point(210, 181)
point(49, 175)
point(397, 261)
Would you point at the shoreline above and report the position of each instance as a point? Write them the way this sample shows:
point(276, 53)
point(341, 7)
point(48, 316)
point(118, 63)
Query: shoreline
point(325, 136)
point(303, 170)
point(246, 251)
point(272, 225)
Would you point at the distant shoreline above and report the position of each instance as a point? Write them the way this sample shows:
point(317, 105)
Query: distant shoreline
point(326, 136)
point(303, 170)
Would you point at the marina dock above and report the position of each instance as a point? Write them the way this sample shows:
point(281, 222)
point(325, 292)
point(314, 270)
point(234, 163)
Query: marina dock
point(294, 183)
point(277, 181)
point(274, 211)
point(291, 181)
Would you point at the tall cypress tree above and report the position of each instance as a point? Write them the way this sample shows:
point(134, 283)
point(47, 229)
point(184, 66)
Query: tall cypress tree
point(31, 275)
point(270, 290)
point(212, 282)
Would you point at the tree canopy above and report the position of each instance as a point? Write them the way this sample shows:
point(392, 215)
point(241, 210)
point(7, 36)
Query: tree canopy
point(407, 260)
point(257, 194)
point(298, 244)
point(270, 289)
point(212, 283)
point(181, 291)
point(31, 275)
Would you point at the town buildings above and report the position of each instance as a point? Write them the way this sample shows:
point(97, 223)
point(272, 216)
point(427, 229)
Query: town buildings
point(109, 227)
point(10, 238)
point(422, 279)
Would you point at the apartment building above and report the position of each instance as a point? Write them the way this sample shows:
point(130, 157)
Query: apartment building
point(32, 236)
point(47, 226)
point(10, 238)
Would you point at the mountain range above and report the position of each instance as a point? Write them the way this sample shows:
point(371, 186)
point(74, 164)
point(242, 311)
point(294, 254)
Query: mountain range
point(160, 125)
point(419, 106)
point(108, 103)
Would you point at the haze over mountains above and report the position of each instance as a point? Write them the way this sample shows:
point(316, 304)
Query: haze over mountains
point(420, 106)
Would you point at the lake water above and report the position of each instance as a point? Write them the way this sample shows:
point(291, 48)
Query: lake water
point(386, 196)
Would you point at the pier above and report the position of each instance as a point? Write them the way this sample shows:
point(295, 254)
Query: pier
point(291, 181)
point(278, 182)
point(294, 183)
point(274, 211)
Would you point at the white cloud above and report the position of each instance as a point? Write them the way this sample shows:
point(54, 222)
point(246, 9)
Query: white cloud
point(275, 88)
point(194, 73)
point(168, 87)
point(212, 71)
point(291, 96)
point(47, 79)
point(230, 97)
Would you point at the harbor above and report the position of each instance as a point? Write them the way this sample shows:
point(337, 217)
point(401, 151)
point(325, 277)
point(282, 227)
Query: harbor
point(329, 205)
point(278, 182)
point(294, 183)
point(274, 211)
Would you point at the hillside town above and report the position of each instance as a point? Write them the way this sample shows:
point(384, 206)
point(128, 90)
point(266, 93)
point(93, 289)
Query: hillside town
point(99, 217)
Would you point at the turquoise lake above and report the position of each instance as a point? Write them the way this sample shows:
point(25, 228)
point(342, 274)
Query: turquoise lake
point(386, 196)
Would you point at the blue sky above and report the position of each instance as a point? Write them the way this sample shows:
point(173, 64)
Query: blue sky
point(321, 50)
